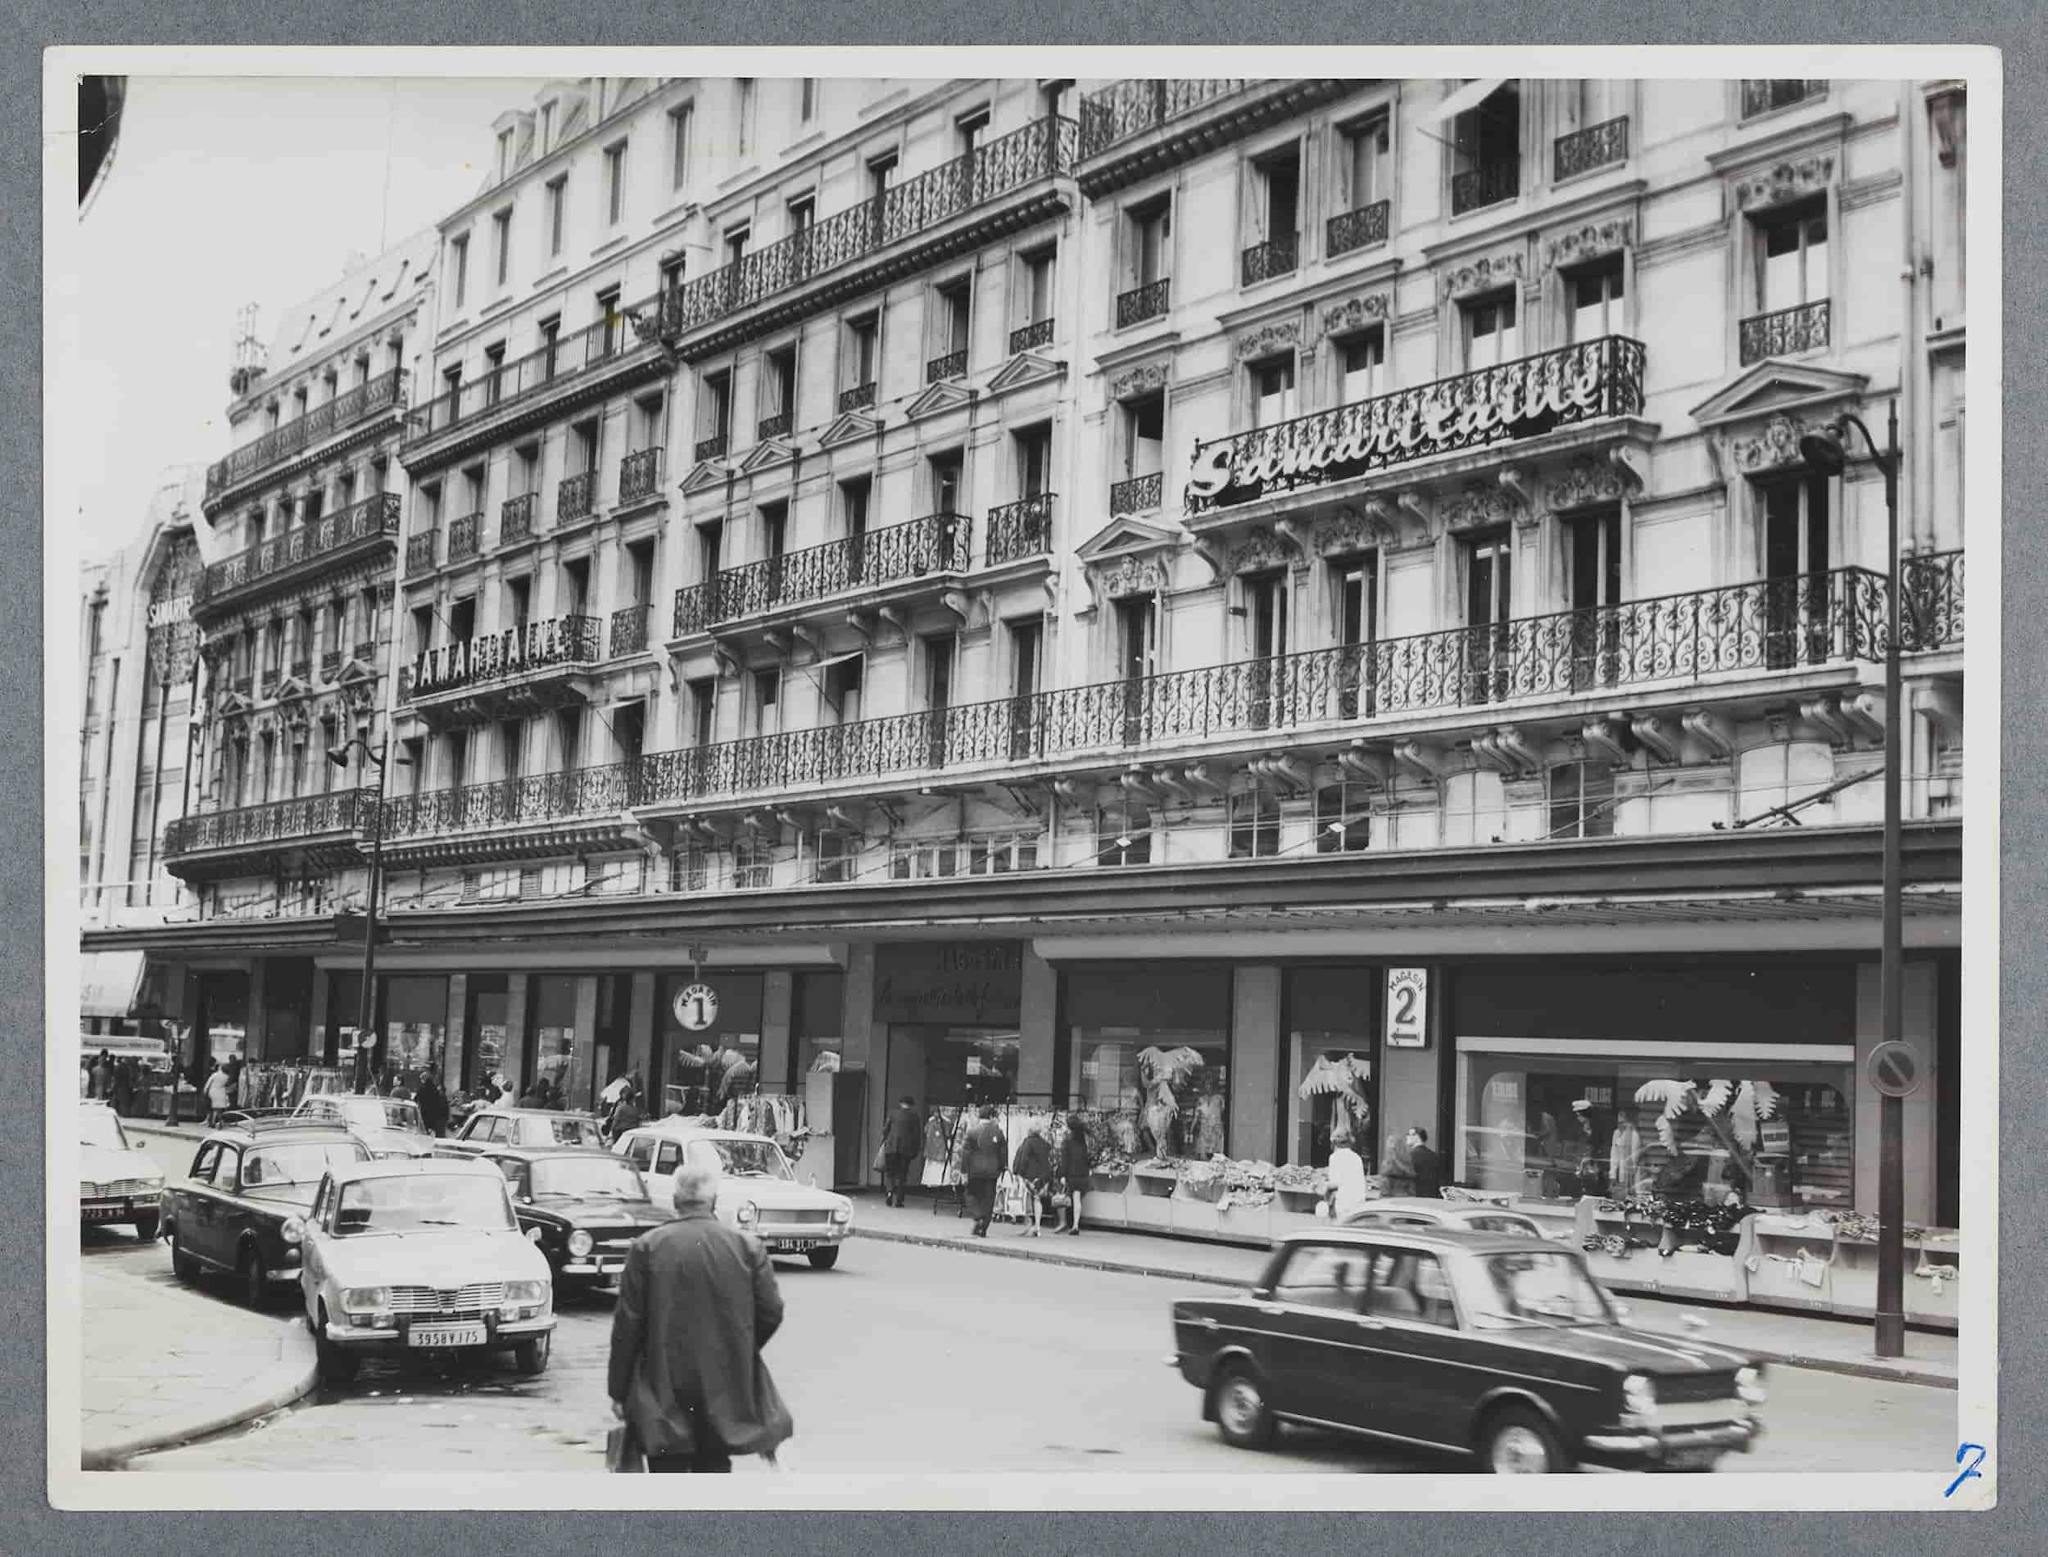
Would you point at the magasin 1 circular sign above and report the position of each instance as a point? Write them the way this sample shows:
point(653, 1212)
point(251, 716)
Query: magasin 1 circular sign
point(696, 1007)
point(1894, 1069)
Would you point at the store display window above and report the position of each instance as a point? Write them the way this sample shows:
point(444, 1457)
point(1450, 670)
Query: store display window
point(1332, 1016)
point(1555, 1119)
point(1149, 1059)
point(816, 1003)
point(415, 1026)
point(551, 1020)
point(702, 1071)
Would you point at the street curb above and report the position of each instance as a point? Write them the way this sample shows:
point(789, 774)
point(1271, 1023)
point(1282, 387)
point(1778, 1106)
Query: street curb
point(293, 1375)
point(1860, 1370)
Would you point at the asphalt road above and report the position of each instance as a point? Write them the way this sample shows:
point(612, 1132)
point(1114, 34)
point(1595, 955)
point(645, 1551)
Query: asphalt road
point(919, 1358)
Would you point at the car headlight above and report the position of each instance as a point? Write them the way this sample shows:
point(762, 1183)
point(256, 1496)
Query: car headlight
point(746, 1213)
point(580, 1243)
point(1749, 1384)
point(842, 1213)
point(365, 1299)
point(1638, 1395)
point(526, 1291)
point(533, 1235)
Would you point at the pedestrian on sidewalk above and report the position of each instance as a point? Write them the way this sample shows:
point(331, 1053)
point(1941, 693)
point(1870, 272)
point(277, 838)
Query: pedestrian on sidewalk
point(1347, 1175)
point(1034, 1167)
point(982, 1157)
point(1397, 1167)
point(433, 1104)
point(625, 1114)
point(218, 1097)
point(696, 1304)
point(124, 1085)
point(901, 1144)
point(1428, 1166)
point(103, 1075)
point(1075, 1163)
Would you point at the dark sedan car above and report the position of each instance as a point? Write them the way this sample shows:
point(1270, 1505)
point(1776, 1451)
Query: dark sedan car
point(246, 1181)
point(1481, 1344)
point(581, 1208)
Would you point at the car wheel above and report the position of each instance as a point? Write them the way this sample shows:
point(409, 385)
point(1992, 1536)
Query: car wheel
point(824, 1259)
point(146, 1227)
point(531, 1357)
point(183, 1266)
point(255, 1286)
point(1242, 1415)
point(337, 1365)
point(1518, 1442)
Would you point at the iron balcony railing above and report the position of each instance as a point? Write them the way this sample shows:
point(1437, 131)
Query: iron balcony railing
point(1143, 302)
point(629, 629)
point(712, 448)
point(1930, 602)
point(277, 821)
point(1274, 257)
point(531, 797)
point(1360, 229)
point(860, 397)
point(465, 537)
point(1027, 336)
point(576, 497)
point(1041, 149)
point(271, 677)
point(1777, 624)
point(1596, 146)
point(952, 365)
point(1130, 108)
point(1020, 529)
point(559, 360)
point(1138, 495)
point(1488, 184)
point(373, 516)
point(330, 664)
point(491, 657)
point(296, 436)
point(1760, 97)
point(515, 518)
point(640, 474)
point(1518, 399)
point(419, 551)
point(302, 669)
point(1786, 332)
point(937, 543)
point(776, 426)
point(366, 651)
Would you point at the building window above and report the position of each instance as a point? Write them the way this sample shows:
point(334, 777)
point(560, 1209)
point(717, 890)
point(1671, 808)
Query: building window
point(714, 415)
point(1037, 290)
point(547, 128)
point(1762, 97)
point(1491, 336)
point(703, 710)
point(550, 345)
point(501, 245)
point(1272, 234)
point(557, 206)
point(857, 365)
point(1486, 153)
point(1272, 387)
point(800, 215)
point(881, 175)
point(504, 155)
point(807, 100)
point(1361, 366)
point(743, 114)
point(1581, 800)
point(1144, 434)
point(1792, 257)
point(753, 866)
point(613, 321)
point(1034, 459)
point(615, 182)
point(948, 352)
point(778, 392)
point(842, 688)
point(1343, 818)
point(1254, 824)
point(946, 473)
point(837, 853)
point(735, 243)
point(458, 268)
point(1362, 172)
point(1148, 257)
point(1149, 1056)
point(1052, 98)
point(767, 701)
point(1123, 834)
point(682, 122)
point(1595, 295)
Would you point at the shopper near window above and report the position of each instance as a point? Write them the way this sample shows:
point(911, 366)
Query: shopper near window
point(1347, 1175)
point(1034, 1167)
point(218, 1096)
point(1075, 1162)
point(983, 1156)
point(1428, 1166)
point(900, 1146)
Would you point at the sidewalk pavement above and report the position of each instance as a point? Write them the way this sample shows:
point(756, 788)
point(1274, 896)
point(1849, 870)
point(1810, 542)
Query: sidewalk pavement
point(162, 1364)
point(1789, 1340)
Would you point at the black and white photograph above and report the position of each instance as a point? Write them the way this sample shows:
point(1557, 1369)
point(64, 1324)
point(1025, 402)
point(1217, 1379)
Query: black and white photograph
point(952, 786)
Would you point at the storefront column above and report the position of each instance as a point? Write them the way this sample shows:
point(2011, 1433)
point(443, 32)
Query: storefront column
point(256, 1045)
point(640, 1036)
point(454, 1027)
point(1918, 1111)
point(777, 989)
point(515, 1032)
point(583, 1052)
point(1038, 1012)
point(857, 1030)
point(316, 1030)
point(1254, 1061)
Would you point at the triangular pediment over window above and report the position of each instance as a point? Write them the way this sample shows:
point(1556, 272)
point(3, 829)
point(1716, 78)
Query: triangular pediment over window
point(1777, 388)
point(1121, 536)
point(946, 395)
point(849, 428)
point(708, 475)
point(1024, 370)
point(769, 451)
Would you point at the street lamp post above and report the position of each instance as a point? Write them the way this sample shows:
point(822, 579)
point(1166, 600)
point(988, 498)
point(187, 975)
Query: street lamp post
point(366, 1010)
point(1825, 451)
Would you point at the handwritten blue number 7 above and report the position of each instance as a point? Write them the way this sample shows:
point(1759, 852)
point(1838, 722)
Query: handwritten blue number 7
point(1968, 1471)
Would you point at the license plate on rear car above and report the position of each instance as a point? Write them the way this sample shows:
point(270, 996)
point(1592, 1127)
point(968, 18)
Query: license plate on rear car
point(795, 1245)
point(445, 1335)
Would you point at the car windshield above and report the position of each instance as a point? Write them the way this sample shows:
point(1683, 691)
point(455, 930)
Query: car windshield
point(297, 1162)
point(564, 1131)
point(377, 1113)
point(743, 1159)
point(415, 1202)
point(1538, 1288)
point(583, 1177)
point(100, 1127)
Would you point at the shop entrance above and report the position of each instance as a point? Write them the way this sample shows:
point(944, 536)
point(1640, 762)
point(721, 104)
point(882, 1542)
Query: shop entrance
point(486, 1022)
point(952, 1065)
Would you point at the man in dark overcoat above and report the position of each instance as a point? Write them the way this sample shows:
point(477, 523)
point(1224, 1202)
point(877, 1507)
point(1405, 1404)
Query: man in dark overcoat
point(983, 1157)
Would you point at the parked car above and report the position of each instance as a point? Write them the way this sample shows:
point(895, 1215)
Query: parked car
point(247, 1180)
point(389, 1126)
point(116, 1183)
point(758, 1191)
point(580, 1208)
point(1417, 1211)
point(420, 1254)
point(489, 1128)
point(1480, 1344)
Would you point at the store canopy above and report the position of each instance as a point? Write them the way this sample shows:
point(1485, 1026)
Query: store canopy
point(110, 983)
point(1466, 98)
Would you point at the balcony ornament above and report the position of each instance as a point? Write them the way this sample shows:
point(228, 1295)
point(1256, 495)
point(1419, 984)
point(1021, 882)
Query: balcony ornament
point(1269, 339)
point(1066, 790)
point(863, 625)
point(1363, 763)
point(1827, 714)
point(1710, 730)
point(1784, 182)
point(1144, 379)
point(961, 604)
point(1422, 531)
point(1128, 575)
point(1425, 761)
point(1286, 531)
point(782, 641)
point(1477, 506)
point(1264, 549)
point(894, 618)
point(1201, 782)
point(1864, 713)
point(839, 819)
point(1486, 753)
point(1351, 531)
point(729, 666)
point(1512, 481)
point(1605, 742)
point(1280, 772)
point(1588, 242)
point(1776, 446)
point(803, 635)
point(755, 823)
point(1138, 785)
point(1779, 722)
point(1219, 561)
point(1940, 705)
point(1173, 786)
point(1652, 734)
point(1585, 483)
point(1355, 313)
point(1485, 274)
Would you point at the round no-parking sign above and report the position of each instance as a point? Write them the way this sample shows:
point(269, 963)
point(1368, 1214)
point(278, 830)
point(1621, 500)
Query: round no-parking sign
point(1894, 1069)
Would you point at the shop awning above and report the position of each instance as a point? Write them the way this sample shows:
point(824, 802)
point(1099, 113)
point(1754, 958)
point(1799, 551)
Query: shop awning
point(1465, 99)
point(111, 980)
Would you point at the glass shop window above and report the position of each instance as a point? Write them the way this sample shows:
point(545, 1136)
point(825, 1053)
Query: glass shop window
point(1149, 1059)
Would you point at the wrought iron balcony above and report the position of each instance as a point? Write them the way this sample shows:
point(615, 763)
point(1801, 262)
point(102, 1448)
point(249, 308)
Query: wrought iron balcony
point(515, 518)
point(1020, 529)
point(1027, 337)
point(330, 664)
point(640, 474)
point(295, 437)
point(1519, 399)
point(1785, 332)
point(302, 548)
point(776, 426)
point(1039, 150)
point(1761, 97)
point(465, 537)
point(1360, 229)
point(1596, 146)
point(1274, 257)
point(859, 398)
point(529, 798)
point(1138, 495)
point(1488, 184)
point(419, 551)
point(1143, 302)
point(277, 821)
point(559, 362)
point(629, 629)
point(936, 544)
point(272, 675)
point(576, 497)
point(712, 448)
point(952, 365)
point(302, 669)
point(1930, 602)
point(479, 661)
point(1131, 108)
point(366, 651)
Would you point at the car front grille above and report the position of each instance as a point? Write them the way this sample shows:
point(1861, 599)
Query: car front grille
point(787, 1219)
point(1684, 1388)
point(448, 1302)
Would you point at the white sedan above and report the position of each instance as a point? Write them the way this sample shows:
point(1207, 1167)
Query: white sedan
point(758, 1192)
point(412, 1254)
point(116, 1183)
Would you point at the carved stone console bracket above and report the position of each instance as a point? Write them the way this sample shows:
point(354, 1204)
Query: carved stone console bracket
point(1605, 743)
point(1651, 733)
point(1711, 730)
point(1425, 762)
point(1361, 762)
